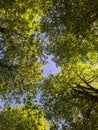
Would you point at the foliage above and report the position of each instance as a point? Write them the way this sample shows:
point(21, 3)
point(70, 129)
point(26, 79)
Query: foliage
point(69, 31)
point(19, 48)
point(70, 98)
point(20, 67)
point(23, 118)
point(75, 16)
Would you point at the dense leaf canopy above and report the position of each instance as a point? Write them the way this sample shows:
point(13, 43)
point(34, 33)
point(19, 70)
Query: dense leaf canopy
point(71, 97)
point(72, 27)
point(31, 30)
point(23, 118)
point(19, 49)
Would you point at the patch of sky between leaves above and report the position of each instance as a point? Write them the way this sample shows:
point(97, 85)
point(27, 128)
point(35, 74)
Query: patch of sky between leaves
point(50, 67)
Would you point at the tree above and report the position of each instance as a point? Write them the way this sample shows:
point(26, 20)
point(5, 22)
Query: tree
point(20, 67)
point(62, 16)
point(71, 97)
point(23, 118)
point(69, 30)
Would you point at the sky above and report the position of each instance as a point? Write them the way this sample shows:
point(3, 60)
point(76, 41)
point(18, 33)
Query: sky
point(50, 67)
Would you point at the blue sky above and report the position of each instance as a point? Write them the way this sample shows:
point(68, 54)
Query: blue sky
point(50, 67)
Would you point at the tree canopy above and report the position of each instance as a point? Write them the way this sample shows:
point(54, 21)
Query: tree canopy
point(19, 49)
point(71, 96)
point(23, 118)
point(31, 30)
